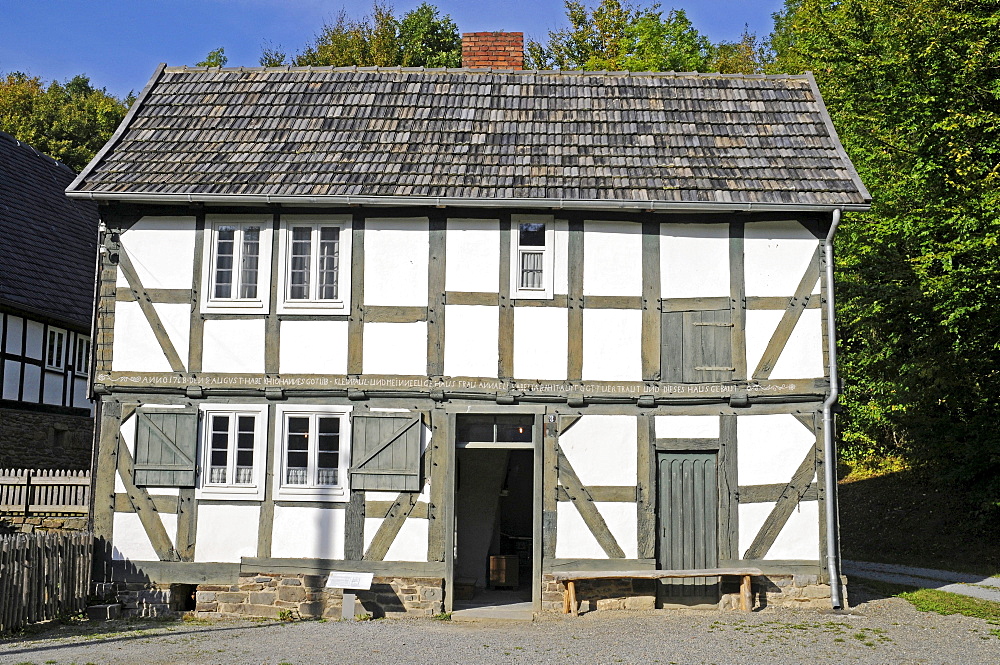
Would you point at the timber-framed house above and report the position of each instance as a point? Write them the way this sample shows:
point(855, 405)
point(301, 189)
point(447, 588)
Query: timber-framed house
point(466, 328)
point(48, 249)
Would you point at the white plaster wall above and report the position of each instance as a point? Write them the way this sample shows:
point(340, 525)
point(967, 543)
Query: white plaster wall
point(11, 379)
point(770, 448)
point(35, 341)
point(395, 348)
point(313, 347)
point(612, 344)
point(472, 255)
point(410, 543)
point(396, 252)
point(612, 259)
point(799, 538)
point(32, 383)
point(575, 541)
point(540, 342)
point(80, 393)
point(686, 427)
point(226, 533)
point(694, 260)
point(131, 541)
point(15, 328)
point(233, 345)
point(136, 348)
point(471, 340)
point(310, 533)
point(776, 255)
point(561, 260)
point(802, 355)
point(602, 449)
point(53, 391)
point(378, 495)
point(162, 252)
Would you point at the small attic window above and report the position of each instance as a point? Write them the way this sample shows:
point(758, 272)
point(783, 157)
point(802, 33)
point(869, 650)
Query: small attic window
point(532, 252)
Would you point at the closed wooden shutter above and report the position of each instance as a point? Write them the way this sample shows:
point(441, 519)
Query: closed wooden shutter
point(697, 346)
point(385, 452)
point(166, 448)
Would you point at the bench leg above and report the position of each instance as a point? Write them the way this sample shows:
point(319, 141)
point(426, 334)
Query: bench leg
point(571, 588)
point(566, 599)
point(746, 601)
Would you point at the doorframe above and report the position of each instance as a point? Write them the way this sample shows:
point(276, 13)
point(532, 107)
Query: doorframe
point(448, 509)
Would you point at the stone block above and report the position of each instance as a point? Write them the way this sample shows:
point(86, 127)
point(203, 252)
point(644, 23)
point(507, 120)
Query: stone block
point(552, 596)
point(816, 591)
point(206, 607)
point(232, 597)
point(108, 612)
point(291, 581)
point(294, 594)
point(213, 587)
point(314, 580)
point(262, 597)
point(640, 603)
point(251, 587)
point(264, 611)
point(431, 593)
point(610, 604)
point(310, 609)
point(205, 596)
point(262, 579)
point(286, 604)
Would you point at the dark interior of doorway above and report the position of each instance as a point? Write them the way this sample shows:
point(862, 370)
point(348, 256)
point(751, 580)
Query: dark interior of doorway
point(493, 501)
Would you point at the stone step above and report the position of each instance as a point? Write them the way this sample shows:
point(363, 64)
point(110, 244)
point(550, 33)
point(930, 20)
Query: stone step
point(106, 612)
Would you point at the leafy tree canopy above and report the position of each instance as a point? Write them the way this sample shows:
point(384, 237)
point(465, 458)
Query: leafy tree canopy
point(615, 35)
point(69, 121)
point(216, 58)
point(420, 38)
point(913, 90)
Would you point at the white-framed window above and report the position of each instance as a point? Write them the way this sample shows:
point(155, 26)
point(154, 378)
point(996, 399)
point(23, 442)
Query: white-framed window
point(231, 450)
point(314, 452)
point(532, 257)
point(237, 262)
point(316, 262)
point(82, 357)
point(55, 349)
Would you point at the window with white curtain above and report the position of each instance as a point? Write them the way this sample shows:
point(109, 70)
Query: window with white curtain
point(232, 449)
point(532, 257)
point(316, 255)
point(237, 270)
point(314, 454)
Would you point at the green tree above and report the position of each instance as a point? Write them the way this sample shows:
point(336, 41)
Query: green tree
point(421, 38)
point(216, 58)
point(618, 36)
point(750, 55)
point(913, 90)
point(69, 121)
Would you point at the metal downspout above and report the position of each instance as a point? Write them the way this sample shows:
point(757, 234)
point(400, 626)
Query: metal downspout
point(829, 445)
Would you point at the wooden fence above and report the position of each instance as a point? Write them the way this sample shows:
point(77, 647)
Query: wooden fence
point(44, 492)
point(43, 576)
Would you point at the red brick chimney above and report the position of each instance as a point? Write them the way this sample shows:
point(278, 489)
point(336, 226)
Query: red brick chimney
point(494, 50)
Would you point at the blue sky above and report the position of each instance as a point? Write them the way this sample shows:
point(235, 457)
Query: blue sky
point(118, 43)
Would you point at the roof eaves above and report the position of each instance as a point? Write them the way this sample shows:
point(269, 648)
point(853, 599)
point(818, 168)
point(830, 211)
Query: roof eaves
point(468, 202)
point(120, 131)
point(825, 114)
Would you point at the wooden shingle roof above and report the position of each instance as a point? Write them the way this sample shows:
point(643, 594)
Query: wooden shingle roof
point(48, 243)
point(477, 137)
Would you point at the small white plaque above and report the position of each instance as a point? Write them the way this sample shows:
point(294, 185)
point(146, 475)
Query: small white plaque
point(346, 580)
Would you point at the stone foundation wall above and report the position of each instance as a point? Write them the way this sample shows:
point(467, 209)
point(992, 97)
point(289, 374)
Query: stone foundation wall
point(10, 524)
point(278, 596)
point(39, 440)
point(802, 591)
point(150, 601)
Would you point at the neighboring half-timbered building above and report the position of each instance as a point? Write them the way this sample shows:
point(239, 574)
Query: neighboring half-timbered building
point(466, 328)
point(48, 250)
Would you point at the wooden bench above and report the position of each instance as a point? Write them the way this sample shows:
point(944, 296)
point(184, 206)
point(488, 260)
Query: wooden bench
point(571, 577)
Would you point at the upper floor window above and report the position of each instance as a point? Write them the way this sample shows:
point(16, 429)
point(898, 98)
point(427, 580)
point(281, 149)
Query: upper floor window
point(237, 270)
point(532, 257)
point(82, 365)
point(316, 262)
point(55, 349)
point(314, 451)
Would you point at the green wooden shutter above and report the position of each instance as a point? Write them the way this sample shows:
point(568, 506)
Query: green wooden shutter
point(697, 346)
point(385, 452)
point(166, 445)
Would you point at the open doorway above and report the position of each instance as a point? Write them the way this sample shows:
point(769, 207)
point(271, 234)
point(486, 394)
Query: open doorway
point(494, 489)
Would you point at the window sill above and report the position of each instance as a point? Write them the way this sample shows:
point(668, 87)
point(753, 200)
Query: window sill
point(233, 493)
point(338, 494)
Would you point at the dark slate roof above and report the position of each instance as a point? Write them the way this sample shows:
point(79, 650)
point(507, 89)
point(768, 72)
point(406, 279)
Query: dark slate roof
point(48, 243)
point(599, 139)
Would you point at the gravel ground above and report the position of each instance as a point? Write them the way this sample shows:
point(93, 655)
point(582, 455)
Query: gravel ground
point(876, 631)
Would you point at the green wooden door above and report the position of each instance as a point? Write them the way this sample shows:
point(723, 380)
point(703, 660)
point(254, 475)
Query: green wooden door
point(688, 523)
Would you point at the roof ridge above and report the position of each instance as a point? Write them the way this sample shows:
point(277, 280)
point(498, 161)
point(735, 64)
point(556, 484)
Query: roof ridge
point(481, 70)
point(36, 152)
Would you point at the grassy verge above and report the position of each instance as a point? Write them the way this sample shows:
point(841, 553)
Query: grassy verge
point(941, 602)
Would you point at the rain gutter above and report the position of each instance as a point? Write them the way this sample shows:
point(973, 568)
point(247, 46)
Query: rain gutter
point(829, 444)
